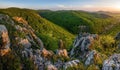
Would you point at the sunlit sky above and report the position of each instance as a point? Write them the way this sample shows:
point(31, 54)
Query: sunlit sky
point(88, 5)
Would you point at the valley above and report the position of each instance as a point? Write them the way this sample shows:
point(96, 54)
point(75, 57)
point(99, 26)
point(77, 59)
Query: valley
point(59, 40)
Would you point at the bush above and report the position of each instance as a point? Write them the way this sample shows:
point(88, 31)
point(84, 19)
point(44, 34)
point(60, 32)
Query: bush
point(107, 41)
point(93, 67)
point(10, 62)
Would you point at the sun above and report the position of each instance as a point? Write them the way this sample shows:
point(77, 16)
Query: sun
point(117, 6)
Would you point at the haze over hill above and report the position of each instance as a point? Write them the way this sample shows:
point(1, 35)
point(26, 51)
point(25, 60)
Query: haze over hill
point(93, 5)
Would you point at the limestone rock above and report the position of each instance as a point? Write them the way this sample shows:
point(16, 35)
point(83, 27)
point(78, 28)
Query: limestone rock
point(71, 64)
point(62, 52)
point(27, 29)
point(83, 43)
point(51, 67)
point(46, 53)
point(112, 63)
point(25, 43)
point(83, 48)
point(59, 64)
point(4, 52)
point(90, 57)
point(20, 20)
point(4, 40)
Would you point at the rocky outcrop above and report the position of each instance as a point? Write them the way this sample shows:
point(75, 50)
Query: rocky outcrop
point(83, 44)
point(4, 40)
point(83, 48)
point(28, 43)
point(29, 31)
point(112, 63)
point(20, 20)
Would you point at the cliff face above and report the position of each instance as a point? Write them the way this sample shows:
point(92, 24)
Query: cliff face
point(4, 41)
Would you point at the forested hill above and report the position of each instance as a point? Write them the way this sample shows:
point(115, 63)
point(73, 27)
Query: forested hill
point(49, 32)
point(51, 26)
point(75, 21)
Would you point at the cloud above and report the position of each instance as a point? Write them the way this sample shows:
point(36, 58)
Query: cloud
point(61, 6)
point(88, 6)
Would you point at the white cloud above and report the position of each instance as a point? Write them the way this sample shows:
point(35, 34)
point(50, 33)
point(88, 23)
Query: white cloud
point(88, 6)
point(61, 6)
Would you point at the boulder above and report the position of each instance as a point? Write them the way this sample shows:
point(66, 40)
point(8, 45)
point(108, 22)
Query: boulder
point(112, 63)
point(71, 64)
point(62, 52)
point(4, 40)
point(90, 57)
point(50, 66)
point(46, 53)
point(25, 43)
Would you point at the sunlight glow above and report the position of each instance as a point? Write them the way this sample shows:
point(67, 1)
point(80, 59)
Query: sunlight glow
point(117, 6)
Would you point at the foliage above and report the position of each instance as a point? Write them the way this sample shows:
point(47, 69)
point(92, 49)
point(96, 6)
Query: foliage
point(10, 62)
point(107, 41)
point(73, 20)
point(28, 64)
point(105, 45)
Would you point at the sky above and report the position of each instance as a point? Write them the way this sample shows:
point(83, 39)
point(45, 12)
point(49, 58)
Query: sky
point(88, 5)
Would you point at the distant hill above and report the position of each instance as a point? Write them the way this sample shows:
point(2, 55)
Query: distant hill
point(95, 22)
